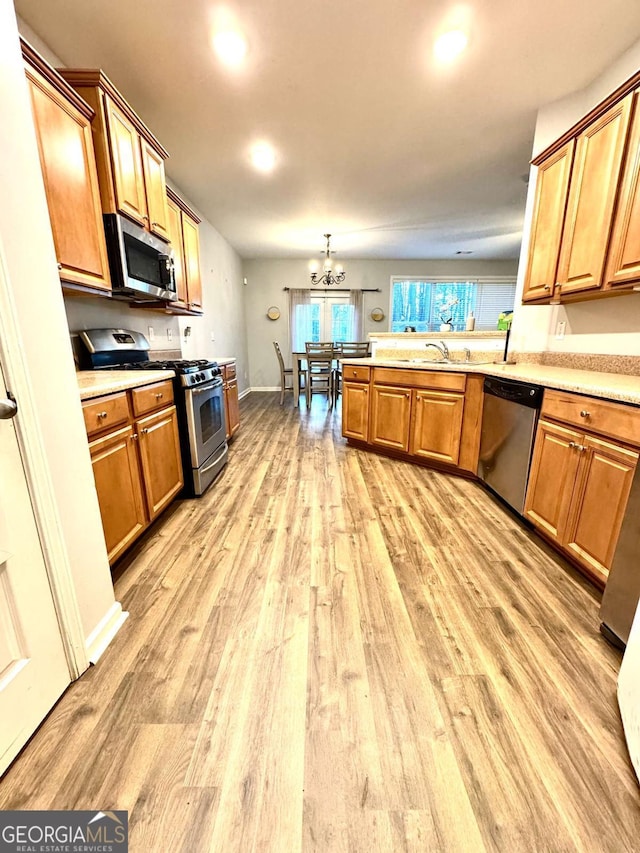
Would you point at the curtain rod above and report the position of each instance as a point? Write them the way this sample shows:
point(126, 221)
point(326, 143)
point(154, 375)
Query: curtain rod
point(336, 289)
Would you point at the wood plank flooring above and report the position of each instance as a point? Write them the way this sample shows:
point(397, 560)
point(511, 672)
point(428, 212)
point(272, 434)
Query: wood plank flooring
point(334, 651)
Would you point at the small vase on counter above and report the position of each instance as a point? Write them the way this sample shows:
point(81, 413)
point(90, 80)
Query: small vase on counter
point(445, 327)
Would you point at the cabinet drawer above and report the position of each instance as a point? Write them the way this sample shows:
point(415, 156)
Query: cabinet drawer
point(356, 373)
point(440, 380)
point(150, 397)
point(104, 413)
point(230, 371)
point(602, 416)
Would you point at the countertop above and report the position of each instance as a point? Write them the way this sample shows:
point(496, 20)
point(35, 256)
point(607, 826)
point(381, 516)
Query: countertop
point(95, 383)
point(611, 386)
point(222, 361)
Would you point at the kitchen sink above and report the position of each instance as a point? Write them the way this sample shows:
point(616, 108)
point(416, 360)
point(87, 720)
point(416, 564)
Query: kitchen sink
point(448, 362)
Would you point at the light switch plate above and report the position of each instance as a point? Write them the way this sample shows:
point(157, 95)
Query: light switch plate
point(213, 335)
point(152, 334)
point(562, 325)
point(169, 334)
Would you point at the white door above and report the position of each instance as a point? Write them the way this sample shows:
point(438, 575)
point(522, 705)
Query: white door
point(33, 667)
point(629, 693)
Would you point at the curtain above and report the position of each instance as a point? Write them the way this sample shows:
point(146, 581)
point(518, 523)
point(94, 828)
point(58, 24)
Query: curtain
point(357, 320)
point(300, 318)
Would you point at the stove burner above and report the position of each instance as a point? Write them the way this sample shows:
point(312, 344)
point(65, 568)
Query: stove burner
point(180, 365)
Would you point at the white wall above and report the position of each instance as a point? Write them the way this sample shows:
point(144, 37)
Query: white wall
point(606, 326)
point(267, 278)
point(25, 233)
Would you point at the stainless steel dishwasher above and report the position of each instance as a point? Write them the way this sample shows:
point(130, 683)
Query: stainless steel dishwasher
point(509, 418)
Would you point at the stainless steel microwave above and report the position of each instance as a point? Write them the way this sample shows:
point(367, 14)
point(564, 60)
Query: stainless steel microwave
point(141, 264)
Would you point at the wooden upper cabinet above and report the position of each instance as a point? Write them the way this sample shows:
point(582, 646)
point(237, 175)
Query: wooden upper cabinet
point(174, 227)
point(552, 187)
point(191, 244)
point(156, 190)
point(623, 266)
point(129, 157)
point(128, 175)
point(592, 196)
point(63, 130)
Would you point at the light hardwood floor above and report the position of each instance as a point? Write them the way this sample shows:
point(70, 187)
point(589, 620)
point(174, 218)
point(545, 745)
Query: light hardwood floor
point(337, 651)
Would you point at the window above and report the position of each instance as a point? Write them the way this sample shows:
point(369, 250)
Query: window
point(425, 303)
point(327, 318)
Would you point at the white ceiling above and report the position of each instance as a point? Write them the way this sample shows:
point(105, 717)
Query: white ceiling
point(396, 157)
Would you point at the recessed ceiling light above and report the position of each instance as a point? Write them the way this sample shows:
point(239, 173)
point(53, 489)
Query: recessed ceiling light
point(464, 252)
point(263, 157)
point(231, 47)
point(449, 45)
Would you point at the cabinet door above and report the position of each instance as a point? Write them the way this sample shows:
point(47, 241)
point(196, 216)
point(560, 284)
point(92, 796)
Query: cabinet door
point(390, 416)
point(159, 444)
point(552, 477)
point(71, 185)
point(117, 475)
point(191, 242)
point(437, 425)
point(599, 501)
point(552, 187)
point(355, 410)
point(623, 266)
point(232, 407)
point(174, 222)
point(126, 156)
point(156, 190)
point(594, 184)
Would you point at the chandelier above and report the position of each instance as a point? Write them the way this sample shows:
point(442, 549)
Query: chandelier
point(330, 276)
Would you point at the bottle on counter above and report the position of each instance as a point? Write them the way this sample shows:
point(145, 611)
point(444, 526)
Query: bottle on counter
point(470, 323)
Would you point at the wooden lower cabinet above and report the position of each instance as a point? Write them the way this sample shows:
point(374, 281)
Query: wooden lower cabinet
point(137, 467)
point(119, 486)
point(437, 425)
point(390, 417)
point(159, 445)
point(231, 399)
point(578, 491)
point(355, 410)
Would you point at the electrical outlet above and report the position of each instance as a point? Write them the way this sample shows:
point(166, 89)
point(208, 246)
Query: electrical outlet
point(562, 325)
point(169, 334)
point(213, 335)
point(152, 334)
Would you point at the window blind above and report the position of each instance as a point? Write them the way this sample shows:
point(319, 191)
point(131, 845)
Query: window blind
point(492, 299)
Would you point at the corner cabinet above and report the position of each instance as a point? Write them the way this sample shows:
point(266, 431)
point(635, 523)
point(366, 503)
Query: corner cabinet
point(584, 460)
point(135, 452)
point(130, 159)
point(425, 416)
point(183, 229)
point(62, 122)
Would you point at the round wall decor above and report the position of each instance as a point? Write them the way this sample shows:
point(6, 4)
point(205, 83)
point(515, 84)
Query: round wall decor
point(377, 314)
point(273, 313)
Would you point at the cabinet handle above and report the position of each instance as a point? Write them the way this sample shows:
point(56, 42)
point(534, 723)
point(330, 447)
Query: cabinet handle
point(579, 447)
point(134, 437)
point(546, 287)
point(144, 431)
point(59, 266)
point(102, 415)
point(145, 218)
point(407, 396)
point(159, 396)
point(585, 414)
point(155, 223)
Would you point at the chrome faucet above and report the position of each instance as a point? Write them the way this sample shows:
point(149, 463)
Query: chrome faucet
point(441, 347)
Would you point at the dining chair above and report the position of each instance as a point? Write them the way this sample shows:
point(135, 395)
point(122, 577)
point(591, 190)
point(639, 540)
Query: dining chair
point(347, 349)
point(319, 369)
point(286, 373)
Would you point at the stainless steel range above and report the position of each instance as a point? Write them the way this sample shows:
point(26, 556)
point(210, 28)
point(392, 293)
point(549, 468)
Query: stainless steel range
point(198, 397)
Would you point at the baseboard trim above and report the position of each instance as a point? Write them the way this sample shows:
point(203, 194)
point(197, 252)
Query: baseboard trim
point(263, 389)
point(244, 393)
point(105, 631)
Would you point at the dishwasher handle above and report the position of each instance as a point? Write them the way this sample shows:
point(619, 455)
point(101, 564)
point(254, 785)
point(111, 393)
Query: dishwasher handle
point(517, 392)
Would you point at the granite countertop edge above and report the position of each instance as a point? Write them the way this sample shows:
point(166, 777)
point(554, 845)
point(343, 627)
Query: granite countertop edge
point(96, 383)
point(611, 386)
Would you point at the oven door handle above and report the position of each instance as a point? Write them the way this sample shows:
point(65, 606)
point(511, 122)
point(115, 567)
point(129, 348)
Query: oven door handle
point(217, 383)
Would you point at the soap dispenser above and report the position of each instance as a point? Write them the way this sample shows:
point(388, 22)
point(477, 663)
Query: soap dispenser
point(471, 322)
